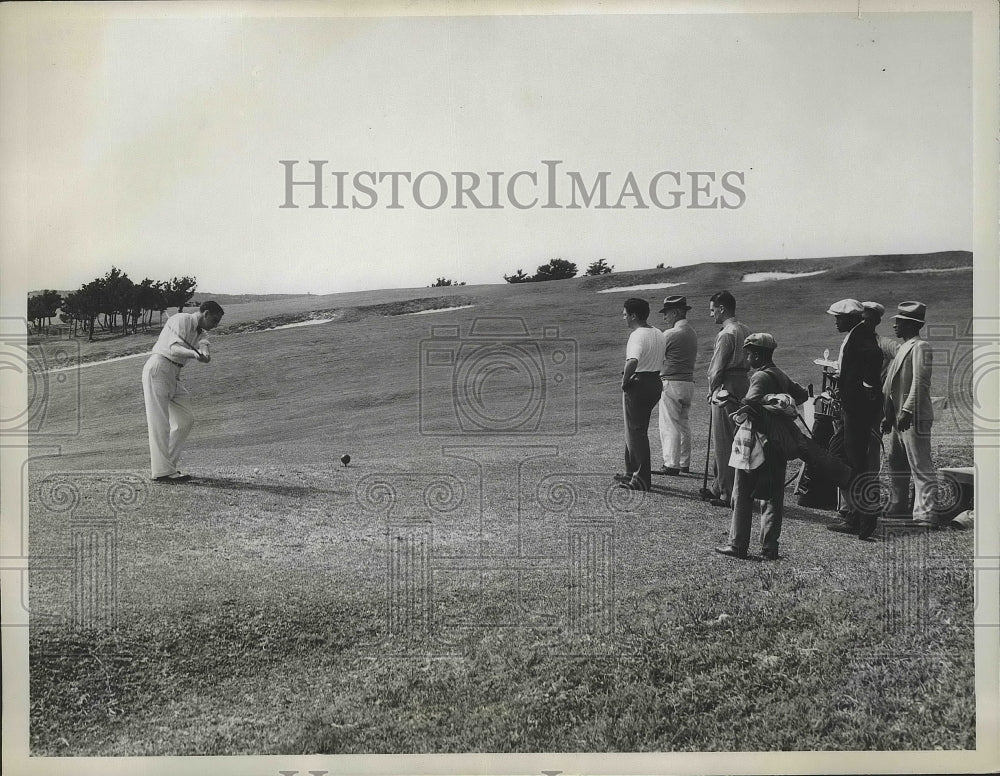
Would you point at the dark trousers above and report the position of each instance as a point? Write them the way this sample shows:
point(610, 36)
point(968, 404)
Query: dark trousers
point(852, 444)
point(773, 501)
point(638, 400)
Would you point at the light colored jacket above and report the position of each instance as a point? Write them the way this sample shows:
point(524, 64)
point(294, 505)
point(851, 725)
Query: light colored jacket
point(907, 386)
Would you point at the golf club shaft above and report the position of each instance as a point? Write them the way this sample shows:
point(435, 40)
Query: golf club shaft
point(708, 450)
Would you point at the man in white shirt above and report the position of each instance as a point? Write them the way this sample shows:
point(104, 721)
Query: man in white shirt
point(183, 339)
point(640, 390)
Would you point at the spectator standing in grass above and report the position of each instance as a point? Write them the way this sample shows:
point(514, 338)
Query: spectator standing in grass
point(680, 349)
point(908, 416)
point(859, 364)
point(640, 390)
point(184, 338)
point(766, 481)
point(726, 371)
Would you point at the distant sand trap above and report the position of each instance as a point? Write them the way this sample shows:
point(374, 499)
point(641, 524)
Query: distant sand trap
point(440, 310)
point(94, 363)
point(310, 322)
point(645, 287)
point(758, 277)
point(930, 269)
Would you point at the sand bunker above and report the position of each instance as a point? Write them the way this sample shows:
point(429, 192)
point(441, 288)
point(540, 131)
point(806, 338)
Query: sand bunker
point(310, 322)
point(645, 287)
point(930, 269)
point(440, 310)
point(759, 277)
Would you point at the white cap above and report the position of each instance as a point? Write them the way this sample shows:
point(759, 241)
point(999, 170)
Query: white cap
point(846, 307)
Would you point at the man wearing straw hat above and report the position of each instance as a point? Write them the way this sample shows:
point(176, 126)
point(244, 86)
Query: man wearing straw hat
point(908, 416)
point(680, 350)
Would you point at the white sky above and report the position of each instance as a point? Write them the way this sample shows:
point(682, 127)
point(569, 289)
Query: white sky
point(153, 143)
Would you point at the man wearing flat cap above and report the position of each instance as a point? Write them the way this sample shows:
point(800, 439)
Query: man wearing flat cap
point(908, 417)
point(860, 365)
point(767, 481)
point(726, 371)
point(677, 376)
point(871, 315)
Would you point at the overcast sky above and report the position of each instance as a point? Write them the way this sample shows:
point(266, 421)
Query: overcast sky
point(155, 144)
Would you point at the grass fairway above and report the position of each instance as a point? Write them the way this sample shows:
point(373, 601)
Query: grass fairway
point(453, 591)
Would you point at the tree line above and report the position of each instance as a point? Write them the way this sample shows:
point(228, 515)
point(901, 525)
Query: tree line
point(558, 269)
point(110, 302)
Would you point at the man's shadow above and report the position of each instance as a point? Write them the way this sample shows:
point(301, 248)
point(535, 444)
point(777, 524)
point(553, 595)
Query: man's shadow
point(298, 491)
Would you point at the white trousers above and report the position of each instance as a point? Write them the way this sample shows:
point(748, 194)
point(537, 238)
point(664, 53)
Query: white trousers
point(167, 417)
point(675, 425)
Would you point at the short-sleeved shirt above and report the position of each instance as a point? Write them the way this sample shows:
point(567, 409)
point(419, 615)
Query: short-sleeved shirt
point(171, 342)
point(680, 349)
point(645, 345)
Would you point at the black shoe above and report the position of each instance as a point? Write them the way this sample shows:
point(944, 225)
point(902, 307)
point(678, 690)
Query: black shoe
point(867, 528)
point(634, 486)
point(623, 477)
point(732, 552)
point(172, 478)
point(685, 470)
point(705, 494)
point(769, 554)
point(842, 527)
point(718, 502)
point(667, 470)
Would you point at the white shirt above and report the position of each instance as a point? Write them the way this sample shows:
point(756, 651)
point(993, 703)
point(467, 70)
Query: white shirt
point(645, 345)
point(171, 342)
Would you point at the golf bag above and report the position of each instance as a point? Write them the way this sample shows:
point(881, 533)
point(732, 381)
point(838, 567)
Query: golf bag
point(815, 487)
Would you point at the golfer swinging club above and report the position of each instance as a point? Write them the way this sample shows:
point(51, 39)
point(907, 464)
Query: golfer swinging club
point(182, 339)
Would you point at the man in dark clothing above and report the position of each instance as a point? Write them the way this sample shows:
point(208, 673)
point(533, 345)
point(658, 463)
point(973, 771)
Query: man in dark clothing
point(860, 401)
point(767, 481)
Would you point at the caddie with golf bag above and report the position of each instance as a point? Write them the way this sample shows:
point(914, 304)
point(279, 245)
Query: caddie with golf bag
point(766, 439)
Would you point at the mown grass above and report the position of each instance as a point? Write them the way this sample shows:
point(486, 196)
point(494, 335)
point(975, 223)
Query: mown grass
point(252, 614)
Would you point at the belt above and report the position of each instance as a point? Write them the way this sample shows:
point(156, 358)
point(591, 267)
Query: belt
point(647, 373)
point(674, 378)
point(175, 363)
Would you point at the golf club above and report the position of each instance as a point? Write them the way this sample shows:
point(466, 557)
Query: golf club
point(708, 453)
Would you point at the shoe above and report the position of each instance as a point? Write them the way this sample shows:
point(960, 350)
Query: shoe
point(930, 524)
point(685, 470)
point(842, 527)
point(718, 502)
point(670, 471)
point(867, 528)
point(705, 494)
point(634, 486)
point(623, 477)
point(769, 554)
point(172, 478)
point(732, 552)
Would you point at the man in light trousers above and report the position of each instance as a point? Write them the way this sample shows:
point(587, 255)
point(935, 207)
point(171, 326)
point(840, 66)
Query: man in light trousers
point(183, 339)
point(908, 416)
point(677, 375)
point(728, 370)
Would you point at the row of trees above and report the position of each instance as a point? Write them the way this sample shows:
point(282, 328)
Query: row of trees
point(111, 301)
point(558, 269)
